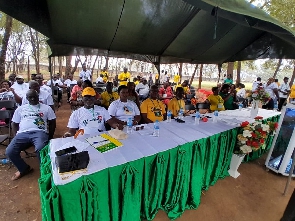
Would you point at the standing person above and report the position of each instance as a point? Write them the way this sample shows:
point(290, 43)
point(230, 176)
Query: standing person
point(157, 79)
point(153, 109)
point(124, 77)
point(20, 87)
point(43, 87)
point(108, 96)
point(68, 84)
point(85, 74)
point(228, 80)
point(105, 74)
point(292, 94)
point(57, 83)
point(150, 81)
point(142, 89)
point(29, 125)
point(272, 89)
point(256, 84)
point(284, 91)
point(176, 79)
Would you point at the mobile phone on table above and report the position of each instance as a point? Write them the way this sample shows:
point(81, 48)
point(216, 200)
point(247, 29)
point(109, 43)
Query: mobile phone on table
point(66, 151)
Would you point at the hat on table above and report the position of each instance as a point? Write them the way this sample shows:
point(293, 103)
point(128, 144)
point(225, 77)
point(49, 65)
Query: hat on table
point(88, 91)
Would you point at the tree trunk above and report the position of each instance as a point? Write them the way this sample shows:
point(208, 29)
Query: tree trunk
point(293, 75)
point(230, 70)
point(278, 68)
point(180, 71)
point(59, 65)
point(5, 40)
point(29, 68)
point(92, 69)
point(68, 66)
point(75, 67)
point(193, 75)
point(219, 72)
point(34, 39)
point(239, 73)
point(200, 77)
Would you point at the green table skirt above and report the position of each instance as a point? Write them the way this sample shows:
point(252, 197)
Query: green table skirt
point(268, 142)
point(170, 180)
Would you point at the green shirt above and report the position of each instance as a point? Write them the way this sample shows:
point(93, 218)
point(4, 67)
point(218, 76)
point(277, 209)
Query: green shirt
point(228, 105)
point(228, 81)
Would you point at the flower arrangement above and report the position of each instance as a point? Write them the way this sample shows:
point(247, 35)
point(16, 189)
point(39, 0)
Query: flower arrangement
point(252, 136)
point(260, 95)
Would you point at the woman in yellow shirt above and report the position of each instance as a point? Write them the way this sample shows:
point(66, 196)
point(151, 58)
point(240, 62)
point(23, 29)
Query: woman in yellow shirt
point(292, 94)
point(177, 102)
point(215, 100)
point(108, 96)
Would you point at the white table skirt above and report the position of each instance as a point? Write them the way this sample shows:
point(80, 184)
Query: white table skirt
point(139, 144)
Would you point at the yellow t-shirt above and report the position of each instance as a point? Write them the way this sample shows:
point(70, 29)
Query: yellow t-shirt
point(185, 89)
point(214, 101)
point(176, 78)
point(136, 83)
point(105, 76)
point(107, 98)
point(292, 93)
point(155, 109)
point(174, 105)
point(124, 78)
point(157, 76)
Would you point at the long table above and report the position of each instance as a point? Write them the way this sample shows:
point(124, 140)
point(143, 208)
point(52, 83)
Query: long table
point(145, 175)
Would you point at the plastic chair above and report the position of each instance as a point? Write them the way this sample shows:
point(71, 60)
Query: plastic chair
point(5, 116)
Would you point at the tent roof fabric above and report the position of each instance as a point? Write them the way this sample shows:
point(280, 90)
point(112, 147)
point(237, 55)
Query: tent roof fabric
point(193, 31)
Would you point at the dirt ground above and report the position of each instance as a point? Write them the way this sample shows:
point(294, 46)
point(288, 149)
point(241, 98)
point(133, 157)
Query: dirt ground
point(256, 195)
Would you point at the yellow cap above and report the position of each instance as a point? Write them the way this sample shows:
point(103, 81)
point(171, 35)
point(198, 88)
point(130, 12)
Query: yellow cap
point(88, 91)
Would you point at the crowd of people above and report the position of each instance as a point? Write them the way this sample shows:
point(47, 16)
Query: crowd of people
point(34, 120)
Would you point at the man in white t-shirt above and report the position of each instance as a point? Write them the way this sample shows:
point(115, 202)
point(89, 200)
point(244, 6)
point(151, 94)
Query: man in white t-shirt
point(29, 125)
point(20, 87)
point(44, 97)
point(143, 89)
point(272, 89)
point(57, 83)
point(123, 109)
point(43, 87)
point(91, 118)
point(85, 74)
point(284, 90)
point(99, 80)
point(256, 84)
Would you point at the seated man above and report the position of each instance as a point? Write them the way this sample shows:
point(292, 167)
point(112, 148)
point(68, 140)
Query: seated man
point(177, 103)
point(153, 109)
point(55, 82)
point(142, 89)
point(29, 123)
point(99, 80)
point(108, 96)
point(44, 97)
point(90, 117)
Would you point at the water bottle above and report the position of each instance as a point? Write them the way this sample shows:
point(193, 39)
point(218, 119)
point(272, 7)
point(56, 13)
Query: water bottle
point(5, 161)
point(215, 116)
point(156, 129)
point(129, 125)
point(275, 107)
point(180, 114)
point(197, 118)
point(169, 114)
point(240, 106)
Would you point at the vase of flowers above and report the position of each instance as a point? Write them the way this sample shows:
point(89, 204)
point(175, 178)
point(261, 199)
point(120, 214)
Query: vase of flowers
point(251, 138)
point(257, 96)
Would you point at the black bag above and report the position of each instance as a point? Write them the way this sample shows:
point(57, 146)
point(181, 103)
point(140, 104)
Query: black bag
point(71, 162)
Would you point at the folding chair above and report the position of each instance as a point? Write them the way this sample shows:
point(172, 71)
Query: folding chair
point(5, 115)
point(9, 105)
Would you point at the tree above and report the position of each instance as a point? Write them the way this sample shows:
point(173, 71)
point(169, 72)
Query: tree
point(200, 76)
point(5, 40)
point(230, 70)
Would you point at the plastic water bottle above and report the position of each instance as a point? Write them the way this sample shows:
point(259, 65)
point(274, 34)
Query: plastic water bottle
point(156, 129)
point(197, 118)
point(240, 106)
point(5, 161)
point(275, 107)
point(215, 116)
point(169, 114)
point(180, 114)
point(129, 125)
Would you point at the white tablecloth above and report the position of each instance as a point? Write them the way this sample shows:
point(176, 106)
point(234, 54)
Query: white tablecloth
point(141, 144)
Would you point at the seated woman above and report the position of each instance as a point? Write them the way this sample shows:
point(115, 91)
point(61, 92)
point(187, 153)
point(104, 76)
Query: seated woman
point(91, 118)
point(228, 94)
point(132, 96)
point(215, 100)
point(76, 97)
point(177, 103)
point(108, 96)
point(122, 109)
point(8, 93)
point(153, 109)
point(166, 93)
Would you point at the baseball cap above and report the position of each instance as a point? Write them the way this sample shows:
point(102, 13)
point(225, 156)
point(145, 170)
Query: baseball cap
point(88, 91)
point(19, 76)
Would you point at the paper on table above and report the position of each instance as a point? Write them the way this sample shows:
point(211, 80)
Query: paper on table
point(103, 142)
